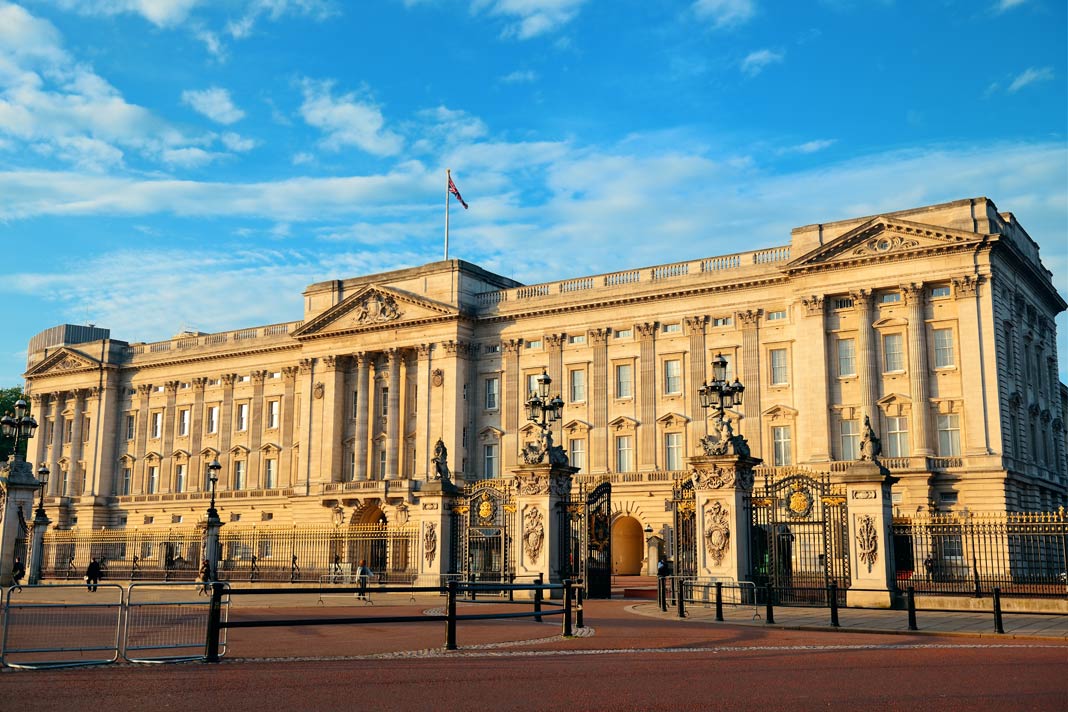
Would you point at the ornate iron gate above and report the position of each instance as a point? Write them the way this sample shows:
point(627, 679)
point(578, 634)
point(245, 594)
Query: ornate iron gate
point(684, 500)
point(800, 537)
point(485, 522)
point(598, 520)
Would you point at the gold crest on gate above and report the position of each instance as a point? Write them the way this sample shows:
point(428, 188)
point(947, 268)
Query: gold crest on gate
point(800, 503)
point(485, 508)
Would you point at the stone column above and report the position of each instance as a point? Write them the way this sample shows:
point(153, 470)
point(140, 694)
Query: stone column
point(598, 434)
point(812, 398)
point(752, 427)
point(646, 455)
point(40, 445)
point(698, 427)
point(364, 402)
point(433, 517)
point(144, 392)
point(55, 484)
point(20, 486)
point(166, 465)
point(868, 368)
point(722, 484)
point(195, 478)
point(513, 396)
point(555, 344)
point(255, 438)
point(40, 527)
point(74, 482)
point(394, 416)
point(541, 491)
point(306, 369)
point(918, 370)
point(972, 363)
point(871, 553)
point(424, 386)
point(226, 419)
point(289, 407)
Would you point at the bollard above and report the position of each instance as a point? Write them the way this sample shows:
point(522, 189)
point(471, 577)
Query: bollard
point(567, 608)
point(450, 616)
point(910, 599)
point(211, 648)
point(578, 611)
point(661, 593)
point(680, 595)
point(537, 597)
point(511, 591)
point(769, 608)
point(998, 624)
point(832, 594)
point(719, 600)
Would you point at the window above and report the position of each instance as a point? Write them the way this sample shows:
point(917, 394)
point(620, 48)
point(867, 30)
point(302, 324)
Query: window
point(385, 401)
point(576, 452)
point(780, 372)
point(673, 451)
point(890, 298)
point(624, 379)
point(351, 475)
point(213, 418)
point(949, 435)
point(623, 334)
point(493, 393)
point(153, 479)
point(535, 344)
point(624, 453)
point(131, 427)
point(843, 303)
point(850, 439)
point(893, 353)
point(382, 464)
point(532, 383)
point(778, 315)
point(244, 379)
point(270, 473)
point(577, 339)
point(672, 376)
point(780, 435)
point(239, 475)
point(672, 328)
point(578, 385)
point(183, 422)
point(86, 428)
point(272, 414)
point(241, 418)
point(897, 437)
point(490, 460)
point(157, 425)
point(355, 405)
point(493, 349)
point(722, 321)
point(179, 477)
point(126, 484)
point(943, 346)
point(939, 292)
point(847, 357)
point(68, 430)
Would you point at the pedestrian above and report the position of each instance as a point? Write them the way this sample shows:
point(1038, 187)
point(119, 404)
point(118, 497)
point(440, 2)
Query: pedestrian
point(363, 575)
point(662, 568)
point(205, 577)
point(928, 566)
point(17, 572)
point(92, 575)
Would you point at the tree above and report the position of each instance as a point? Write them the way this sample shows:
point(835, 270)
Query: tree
point(8, 396)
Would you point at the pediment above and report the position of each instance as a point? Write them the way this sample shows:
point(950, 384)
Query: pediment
point(672, 420)
point(180, 454)
point(577, 426)
point(209, 453)
point(374, 307)
point(490, 432)
point(65, 360)
point(893, 398)
point(780, 412)
point(890, 321)
point(270, 447)
point(623, 423)
point(880, 238)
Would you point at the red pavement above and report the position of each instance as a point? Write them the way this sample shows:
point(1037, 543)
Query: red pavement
point(629, 663)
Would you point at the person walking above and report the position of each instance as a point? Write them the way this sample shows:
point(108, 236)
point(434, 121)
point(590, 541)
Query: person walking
point(363, 575)
point(18, 570)
point(92, 575)
point(205, 577)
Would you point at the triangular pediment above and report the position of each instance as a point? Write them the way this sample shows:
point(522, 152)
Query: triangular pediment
point(780, 412)
point(375, 307)
point(671, 420)
point(882, 237)
point(623, 423)
point(577, 426)
point(65, 360)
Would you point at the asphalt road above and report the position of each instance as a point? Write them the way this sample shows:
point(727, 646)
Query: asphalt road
point(628, 662)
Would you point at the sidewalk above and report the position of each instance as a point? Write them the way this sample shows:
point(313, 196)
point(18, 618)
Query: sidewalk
point(864, 620)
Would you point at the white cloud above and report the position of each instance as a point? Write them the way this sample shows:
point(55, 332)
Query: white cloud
point(813, 146)
point(724, 13)
point(526, 76)
point(214, 103)
point(531, 18)
point(1030, 76)
point(235, 142)
point(755, 62)
point(347, 120)
point(302, 158)
point(190, 157)
point(274, 10)
point(1006, 5)
point(162, 13)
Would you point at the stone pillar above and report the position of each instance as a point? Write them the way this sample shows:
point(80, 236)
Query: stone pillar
point(541, 491)
point(425, 384)
point(871, 553)
point(646, 455)
point(433, 517)
point(868, 369)
point(598, 435)
point(972, 361)
point(195, 477)
point(513, 396)
point(74, 482)
point(212, 550)
point(918, 370)
point(653, 544)
point(306, 368)
point(812, 399)
point(166, 465)
point(722, 484)
point(40, 526)
point(698, 426)
point(751, 428)
point(393, 416)
point(555, 345)
point(364, 402)
point(144, 391)
point(39, 444)
point(20, 486)
point(289, 408)
point(255, 433)
point(329, 432)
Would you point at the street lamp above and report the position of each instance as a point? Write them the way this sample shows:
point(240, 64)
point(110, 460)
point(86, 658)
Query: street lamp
point(720, 394)
point(213, 478)
point(20, 426)
point(543, 410)
point(42, 477)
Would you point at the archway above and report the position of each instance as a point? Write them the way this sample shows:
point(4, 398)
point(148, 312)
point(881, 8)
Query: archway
point(628, 544)
point(368, 538)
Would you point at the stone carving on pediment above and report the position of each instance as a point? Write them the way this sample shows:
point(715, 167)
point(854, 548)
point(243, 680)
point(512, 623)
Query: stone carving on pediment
point(813, 304)
point(884, 244)
point(749, 318)
point(531, 484)
point(717, 532)
point(68, 364)
point(718, 477)
point(533, 534)
point(375, 308)
point(966, 287)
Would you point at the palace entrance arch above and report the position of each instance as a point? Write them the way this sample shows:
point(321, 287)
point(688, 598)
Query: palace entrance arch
point(628, 546)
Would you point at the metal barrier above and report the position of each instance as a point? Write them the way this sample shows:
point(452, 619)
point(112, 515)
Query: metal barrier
point(331, 582)
point(166, 622)
point(707, 592)
point(39, 620)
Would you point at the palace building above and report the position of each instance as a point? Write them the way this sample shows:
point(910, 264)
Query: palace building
point(936, 324)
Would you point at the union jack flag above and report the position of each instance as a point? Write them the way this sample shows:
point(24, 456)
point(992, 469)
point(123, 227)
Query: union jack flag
point(454, 191)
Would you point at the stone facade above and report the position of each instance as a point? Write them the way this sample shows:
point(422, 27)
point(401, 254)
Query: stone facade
point(937, 323)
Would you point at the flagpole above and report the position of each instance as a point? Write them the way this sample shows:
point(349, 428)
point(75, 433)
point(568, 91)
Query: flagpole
point(447, 178)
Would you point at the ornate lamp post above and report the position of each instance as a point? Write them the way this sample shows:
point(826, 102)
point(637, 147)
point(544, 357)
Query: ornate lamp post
point(542, 411)
point(42, 478)
point(720, 394)
point(211, 533)
point(213, 478)
point(20, 426)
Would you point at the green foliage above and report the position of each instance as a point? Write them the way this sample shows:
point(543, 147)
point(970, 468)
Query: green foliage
point(8, 396)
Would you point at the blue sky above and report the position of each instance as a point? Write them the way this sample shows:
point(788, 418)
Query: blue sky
point(230, 152)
